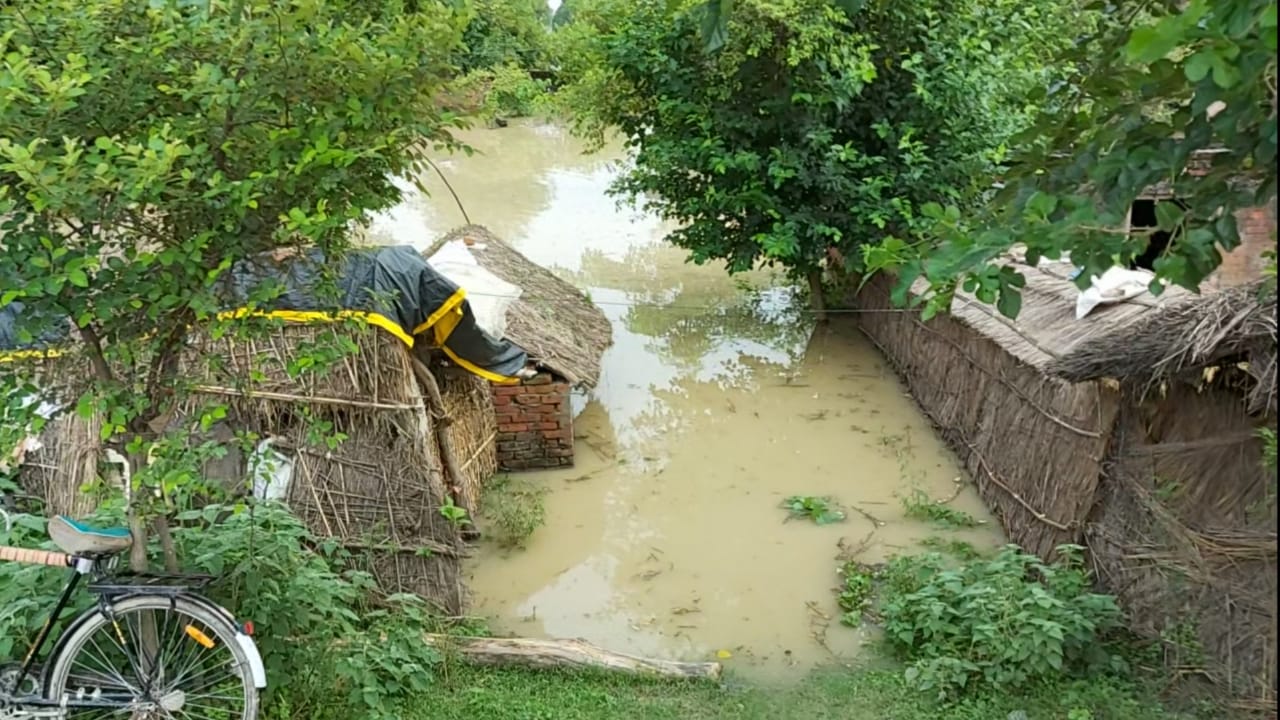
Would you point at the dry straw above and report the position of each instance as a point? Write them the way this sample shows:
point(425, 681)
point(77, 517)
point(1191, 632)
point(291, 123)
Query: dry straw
point(1132, 431)
point(559, 326)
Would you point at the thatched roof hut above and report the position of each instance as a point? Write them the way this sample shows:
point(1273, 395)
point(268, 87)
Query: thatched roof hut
point(368, 428)
point(1132, 431)
point(378, 491)
point(1233, 325)
point(555, 323)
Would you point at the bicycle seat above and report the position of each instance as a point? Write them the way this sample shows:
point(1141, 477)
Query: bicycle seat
point(77, 538)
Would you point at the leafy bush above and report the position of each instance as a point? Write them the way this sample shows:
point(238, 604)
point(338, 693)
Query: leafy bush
point(513, 508)
point(1003, 623)
point(886, 106)
point(855, 592)
point(502, 32)
point(505, 91)
point(327, 639)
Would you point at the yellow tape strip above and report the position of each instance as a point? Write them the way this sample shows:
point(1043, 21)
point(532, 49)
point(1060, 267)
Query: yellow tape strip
point(453, 303)
point(470, 367)
point(443, 320)
point(301, 316)
point(16, 355)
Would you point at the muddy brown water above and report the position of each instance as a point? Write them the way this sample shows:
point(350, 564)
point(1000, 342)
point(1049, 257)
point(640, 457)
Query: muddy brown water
point(718, 400)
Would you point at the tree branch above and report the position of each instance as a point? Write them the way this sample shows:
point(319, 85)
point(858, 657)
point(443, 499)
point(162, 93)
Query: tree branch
point(93, 342)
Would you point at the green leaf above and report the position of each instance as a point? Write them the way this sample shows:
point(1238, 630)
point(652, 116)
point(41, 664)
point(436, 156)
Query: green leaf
point(1042, 204)
point(1169, 215)
point(1150, 43)
point(850, 7)
point(78, 278)
point(1225, 74)
point(1198, 66)
point(715, 24)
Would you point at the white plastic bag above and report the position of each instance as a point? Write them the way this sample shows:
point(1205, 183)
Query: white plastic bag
point(270, 471)
point(490, 296)
point(1116, 285)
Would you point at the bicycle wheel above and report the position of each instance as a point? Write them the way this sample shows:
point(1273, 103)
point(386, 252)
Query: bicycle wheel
point(155, 658)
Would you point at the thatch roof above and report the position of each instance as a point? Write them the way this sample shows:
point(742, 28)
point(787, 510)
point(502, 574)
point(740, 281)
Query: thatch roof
point(1046, 328)
point(555, 323)
point(1145, 339)
point(1235, 324)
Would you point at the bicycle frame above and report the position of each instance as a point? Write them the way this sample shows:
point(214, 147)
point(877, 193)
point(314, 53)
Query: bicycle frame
point(29, 661)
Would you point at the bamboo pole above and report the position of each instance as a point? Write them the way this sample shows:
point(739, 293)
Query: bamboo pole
point(448, 457)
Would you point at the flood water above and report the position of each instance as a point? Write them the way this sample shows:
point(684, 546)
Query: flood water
point(718, 400)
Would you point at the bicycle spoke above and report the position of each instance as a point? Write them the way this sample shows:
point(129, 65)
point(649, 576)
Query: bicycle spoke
point(195, 661)
point(111, 628)
point(228, 676)
point(185, 667)
point(222, 712)
point(107, 667)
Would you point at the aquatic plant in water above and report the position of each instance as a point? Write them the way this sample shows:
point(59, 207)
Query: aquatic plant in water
point(820, 510)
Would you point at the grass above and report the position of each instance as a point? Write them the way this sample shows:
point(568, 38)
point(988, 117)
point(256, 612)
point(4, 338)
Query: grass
point(471, 694)
point(922, 507)
point(958, 549)
point(512, 508)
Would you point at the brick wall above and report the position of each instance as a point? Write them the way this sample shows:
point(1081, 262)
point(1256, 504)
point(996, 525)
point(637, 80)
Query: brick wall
point(535, 424)
point(1244, 264)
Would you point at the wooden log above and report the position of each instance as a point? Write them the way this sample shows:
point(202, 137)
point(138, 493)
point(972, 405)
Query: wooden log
point(448, 457)
point(566, 654)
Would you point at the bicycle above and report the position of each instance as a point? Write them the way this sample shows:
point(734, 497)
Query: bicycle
point(151, 648)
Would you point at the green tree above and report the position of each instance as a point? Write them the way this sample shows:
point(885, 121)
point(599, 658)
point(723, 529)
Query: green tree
point(813, 128)
point(504, 32)
point(1158, 86)
point(145, 148)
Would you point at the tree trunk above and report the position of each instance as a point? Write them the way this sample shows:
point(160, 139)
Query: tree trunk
point(167, 547)
point(566, 654)
point(816, 296)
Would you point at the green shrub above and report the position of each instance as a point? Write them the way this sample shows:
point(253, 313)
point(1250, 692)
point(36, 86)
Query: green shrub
point(513, 508)
point(857, 584)
point(328, 640)
point(505, 91)
point(1002, 623)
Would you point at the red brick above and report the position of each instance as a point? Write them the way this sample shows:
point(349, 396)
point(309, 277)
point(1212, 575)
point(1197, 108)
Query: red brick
point(513, 427)
point(549, 426)
point(561, 434)
point(499, 400)
point(552, 399)
point(508, 390)
point(528, 399)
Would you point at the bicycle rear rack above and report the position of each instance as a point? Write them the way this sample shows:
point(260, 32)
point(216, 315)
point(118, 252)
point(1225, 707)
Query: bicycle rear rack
point(156, 583)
